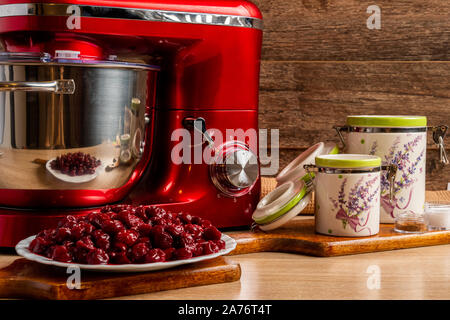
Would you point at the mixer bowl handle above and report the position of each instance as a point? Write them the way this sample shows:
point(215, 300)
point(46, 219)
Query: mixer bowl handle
point(63, 86)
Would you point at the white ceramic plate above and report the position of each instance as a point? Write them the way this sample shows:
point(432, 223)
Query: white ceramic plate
point(22, 249)
point(75, 179)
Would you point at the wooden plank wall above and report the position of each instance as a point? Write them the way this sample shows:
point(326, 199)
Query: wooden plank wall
point(321, 63)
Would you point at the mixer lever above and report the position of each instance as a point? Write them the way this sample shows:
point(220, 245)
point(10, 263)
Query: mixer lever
point(199, 124)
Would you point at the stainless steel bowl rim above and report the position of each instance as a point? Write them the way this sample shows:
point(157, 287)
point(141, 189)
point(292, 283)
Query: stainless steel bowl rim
point(44, 59)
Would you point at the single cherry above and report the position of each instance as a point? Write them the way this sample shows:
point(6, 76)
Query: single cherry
point(97, 256)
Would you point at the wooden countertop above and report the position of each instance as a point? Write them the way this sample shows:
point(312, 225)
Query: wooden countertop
point(419, 273)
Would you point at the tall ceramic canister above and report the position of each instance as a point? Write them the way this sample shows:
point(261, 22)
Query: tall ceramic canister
point(397, 140)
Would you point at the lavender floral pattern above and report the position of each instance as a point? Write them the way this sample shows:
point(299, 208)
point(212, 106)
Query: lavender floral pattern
point(351, 208)
point(407, 168)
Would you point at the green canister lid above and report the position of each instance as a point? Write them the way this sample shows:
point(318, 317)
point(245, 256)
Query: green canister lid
point(348, 161)
point(386, 121)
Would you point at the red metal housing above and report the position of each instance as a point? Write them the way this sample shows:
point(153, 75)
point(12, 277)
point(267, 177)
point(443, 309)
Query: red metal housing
point(208, 70)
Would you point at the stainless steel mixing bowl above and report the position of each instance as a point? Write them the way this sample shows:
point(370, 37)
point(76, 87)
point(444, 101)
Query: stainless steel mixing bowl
point(52, 107)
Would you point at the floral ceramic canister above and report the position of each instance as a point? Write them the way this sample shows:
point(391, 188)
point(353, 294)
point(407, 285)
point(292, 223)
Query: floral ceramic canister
point(347, 191)
point(398, 140)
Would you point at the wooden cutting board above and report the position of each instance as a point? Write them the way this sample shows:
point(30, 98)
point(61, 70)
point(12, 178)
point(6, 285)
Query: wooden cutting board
point(298, 236)
point(27, 279)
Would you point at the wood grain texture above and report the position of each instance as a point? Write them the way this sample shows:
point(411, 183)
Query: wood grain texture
point(321, 63)
point(298, 236)
point(304, 100)
point(337, 30)
point(418, 273)
point(27, 279)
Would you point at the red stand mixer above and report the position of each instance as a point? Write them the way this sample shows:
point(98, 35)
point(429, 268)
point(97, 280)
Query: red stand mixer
point(124, 81)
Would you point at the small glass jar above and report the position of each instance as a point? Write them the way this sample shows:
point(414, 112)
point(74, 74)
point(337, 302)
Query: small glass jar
point(437, 216)
point(410, 222)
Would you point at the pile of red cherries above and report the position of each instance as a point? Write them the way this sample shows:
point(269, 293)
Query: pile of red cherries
point(124, 234)
point(75, 164)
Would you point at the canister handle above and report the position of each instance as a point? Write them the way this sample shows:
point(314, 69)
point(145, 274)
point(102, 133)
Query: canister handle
point(391, 173)
point(439, 133)
point(309, 177)
point(339, 130)
point(62, 86)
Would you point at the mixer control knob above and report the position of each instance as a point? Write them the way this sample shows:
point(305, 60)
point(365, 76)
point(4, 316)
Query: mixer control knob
point(235, 169)
point(242, 172)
